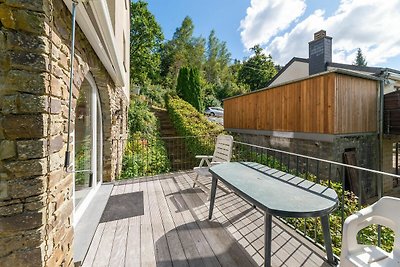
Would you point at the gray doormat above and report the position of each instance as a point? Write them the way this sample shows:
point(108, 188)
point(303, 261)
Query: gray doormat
point(123, 206)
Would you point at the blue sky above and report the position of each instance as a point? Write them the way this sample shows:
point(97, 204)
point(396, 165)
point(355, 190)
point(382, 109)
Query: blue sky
point(284, 27)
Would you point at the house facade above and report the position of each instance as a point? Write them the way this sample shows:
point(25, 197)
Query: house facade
point(320, 108)
point(41, 199)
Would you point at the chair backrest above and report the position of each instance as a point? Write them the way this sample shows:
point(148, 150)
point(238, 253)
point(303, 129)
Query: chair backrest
point(223, 148)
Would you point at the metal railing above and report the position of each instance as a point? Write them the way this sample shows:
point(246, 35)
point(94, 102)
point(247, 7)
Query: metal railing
point(147, 156)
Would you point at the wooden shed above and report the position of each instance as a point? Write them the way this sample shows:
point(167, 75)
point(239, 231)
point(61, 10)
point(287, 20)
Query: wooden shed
point(335, 103)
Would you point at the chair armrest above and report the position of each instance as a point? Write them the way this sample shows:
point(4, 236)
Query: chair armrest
point(203, 157)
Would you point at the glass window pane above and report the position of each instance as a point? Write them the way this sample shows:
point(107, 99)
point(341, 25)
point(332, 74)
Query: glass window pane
point(83, 143)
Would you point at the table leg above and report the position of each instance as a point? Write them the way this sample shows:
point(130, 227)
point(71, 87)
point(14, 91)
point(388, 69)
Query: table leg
point(327, 238)
point(212, 196)
point(267, 239)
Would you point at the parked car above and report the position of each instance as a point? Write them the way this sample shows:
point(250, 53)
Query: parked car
point(214, 111)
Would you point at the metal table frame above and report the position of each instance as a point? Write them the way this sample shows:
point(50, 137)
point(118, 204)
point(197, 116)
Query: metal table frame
point(269, 213)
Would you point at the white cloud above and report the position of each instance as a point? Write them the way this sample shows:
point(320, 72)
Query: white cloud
point(369, 24)
point(265, 18)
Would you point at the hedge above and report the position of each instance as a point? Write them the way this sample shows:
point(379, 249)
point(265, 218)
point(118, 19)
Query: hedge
point(189, 122)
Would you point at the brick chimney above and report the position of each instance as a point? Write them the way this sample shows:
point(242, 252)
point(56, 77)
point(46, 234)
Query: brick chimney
point(319, 52)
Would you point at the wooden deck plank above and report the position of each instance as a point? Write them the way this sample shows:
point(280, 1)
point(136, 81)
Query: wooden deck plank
point(223, 244)
point(104, 251)
point(176, 250)
point(90, 256)
point(133, 246)
point(147, 253)
point(197, 250)
point(161, 246)
point(190, 250)
point(119, 244)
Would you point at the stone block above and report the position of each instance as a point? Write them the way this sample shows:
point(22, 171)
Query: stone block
point(21, 222)
point(57, 86)
point(22, 20)
point(29, 103)
point(25, 126)
point(9, 104)
point(26, 168)
point(23, 258)
point(27, 188)
point(56, 161)
point(55, 106)
point(2, 41)
point(7, 149)
point(34, 206)
point(3, 190)
point(12, 243)
point(17, 40)
point(37, 5)
point(11, 209)
point(25, 81)
point(55, 177)
point(31, 149)
point(28, 61)
point(56, 144)
point(4, 60)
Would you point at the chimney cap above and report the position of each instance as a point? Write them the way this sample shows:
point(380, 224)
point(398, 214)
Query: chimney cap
point(319, 35)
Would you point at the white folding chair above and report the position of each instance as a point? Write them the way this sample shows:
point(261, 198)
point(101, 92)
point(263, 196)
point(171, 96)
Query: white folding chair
point(384, 212)
point(222, 153)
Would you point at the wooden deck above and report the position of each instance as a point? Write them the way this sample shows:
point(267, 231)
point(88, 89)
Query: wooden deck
point(174, 231)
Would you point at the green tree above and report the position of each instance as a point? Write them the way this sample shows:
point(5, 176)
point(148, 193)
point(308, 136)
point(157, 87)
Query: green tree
point(145, 42)
point(360, 59)
point(217, 59)
point(257, 70)
point(189, 88)
point(183, 50)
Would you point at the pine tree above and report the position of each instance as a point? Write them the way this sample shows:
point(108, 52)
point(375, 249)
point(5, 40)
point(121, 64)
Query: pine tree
point(360, 59)
point(189, 88)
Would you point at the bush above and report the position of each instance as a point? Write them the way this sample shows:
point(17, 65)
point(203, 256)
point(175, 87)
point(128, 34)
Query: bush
point(189, 122)
point(145, 152)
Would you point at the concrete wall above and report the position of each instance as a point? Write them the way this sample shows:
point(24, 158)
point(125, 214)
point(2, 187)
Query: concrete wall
point(36, 203)
point(366, 148)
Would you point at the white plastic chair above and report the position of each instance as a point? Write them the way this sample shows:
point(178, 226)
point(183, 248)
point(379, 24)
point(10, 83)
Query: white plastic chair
point(385, 212)
point(222, 153)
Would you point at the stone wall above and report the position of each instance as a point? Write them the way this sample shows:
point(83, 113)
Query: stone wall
point(36, 203)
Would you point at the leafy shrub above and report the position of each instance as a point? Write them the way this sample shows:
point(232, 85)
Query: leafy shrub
point(144, 155)
point(189, 122)
point(145, 152)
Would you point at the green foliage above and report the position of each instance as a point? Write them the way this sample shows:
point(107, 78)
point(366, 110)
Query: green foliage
point(145, 153)
point(257, 70)
point(188, 87)
point(312, 226)
point(360, 59)
point(155, 94)
point(145, 42)
point(183, 50)
point(140, 119)
point(189, 122)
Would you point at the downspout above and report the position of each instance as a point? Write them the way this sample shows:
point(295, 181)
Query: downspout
point(380, 177)
point(71, 79)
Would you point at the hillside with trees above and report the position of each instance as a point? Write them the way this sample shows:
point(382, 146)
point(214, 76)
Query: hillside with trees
point(200, 70)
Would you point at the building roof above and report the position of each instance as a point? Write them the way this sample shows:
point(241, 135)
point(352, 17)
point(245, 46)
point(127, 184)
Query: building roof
point(298, 59)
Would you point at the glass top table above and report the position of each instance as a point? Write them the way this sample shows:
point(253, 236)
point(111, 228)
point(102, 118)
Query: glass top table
point(278, 194)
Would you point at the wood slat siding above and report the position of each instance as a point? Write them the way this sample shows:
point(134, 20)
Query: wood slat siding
point(356, 105)
point(327, 104)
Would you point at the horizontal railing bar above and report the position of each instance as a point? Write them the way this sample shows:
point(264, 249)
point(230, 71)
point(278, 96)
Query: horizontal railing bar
point(322, 160)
